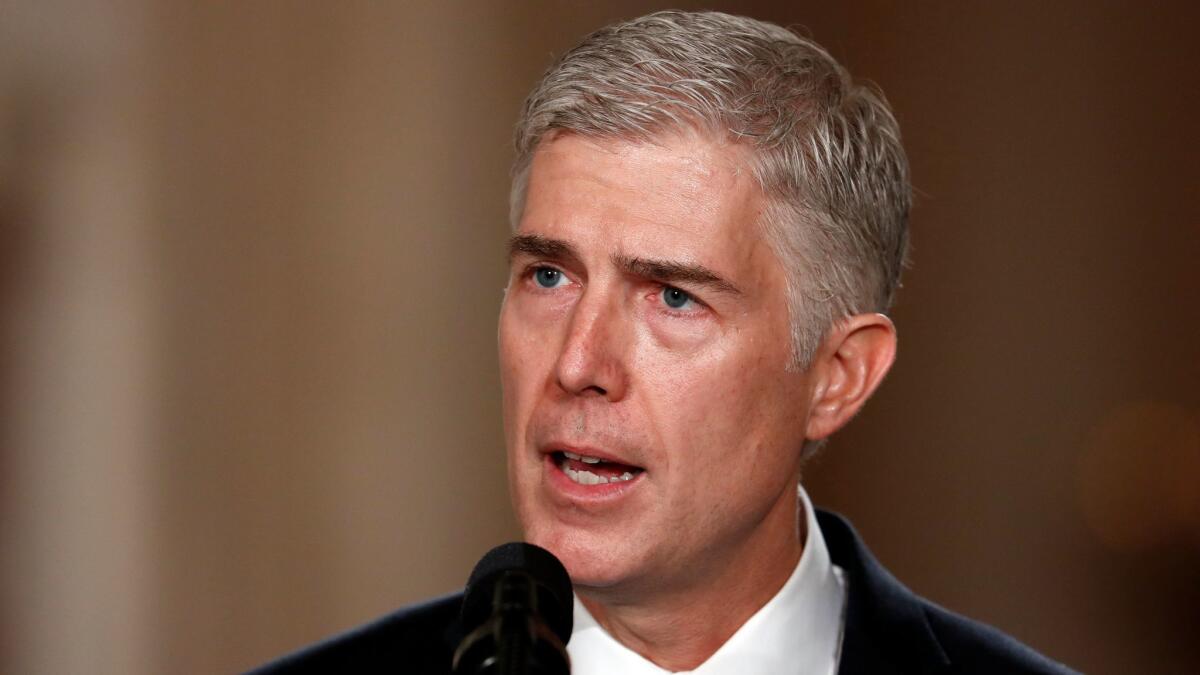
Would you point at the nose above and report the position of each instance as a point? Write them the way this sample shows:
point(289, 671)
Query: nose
point(593, 360)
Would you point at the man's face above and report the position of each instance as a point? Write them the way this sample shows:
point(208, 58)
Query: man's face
point(645, 325)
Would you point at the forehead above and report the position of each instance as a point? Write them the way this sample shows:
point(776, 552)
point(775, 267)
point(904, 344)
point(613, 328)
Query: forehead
point(681, 197)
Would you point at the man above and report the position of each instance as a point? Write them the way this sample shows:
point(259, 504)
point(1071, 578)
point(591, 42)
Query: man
point(710, 220)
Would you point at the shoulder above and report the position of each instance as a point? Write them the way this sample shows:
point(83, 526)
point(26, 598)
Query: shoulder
point(974, 647)
point(419, 638)
point(890, 629)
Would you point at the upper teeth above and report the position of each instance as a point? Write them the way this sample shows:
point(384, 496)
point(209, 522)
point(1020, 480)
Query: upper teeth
point(589, 478)
point(583, 458)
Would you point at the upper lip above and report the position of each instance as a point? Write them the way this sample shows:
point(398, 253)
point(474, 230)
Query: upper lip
point(587, 451)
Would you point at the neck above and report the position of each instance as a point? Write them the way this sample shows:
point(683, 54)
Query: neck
point(680, 628)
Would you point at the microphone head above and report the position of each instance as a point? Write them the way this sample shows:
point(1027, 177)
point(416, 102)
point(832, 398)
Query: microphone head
point(554, 597)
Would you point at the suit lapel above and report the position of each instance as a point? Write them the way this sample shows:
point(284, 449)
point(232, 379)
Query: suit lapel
point(886, 630)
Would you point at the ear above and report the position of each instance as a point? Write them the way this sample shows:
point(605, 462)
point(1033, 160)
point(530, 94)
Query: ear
point(856, 354)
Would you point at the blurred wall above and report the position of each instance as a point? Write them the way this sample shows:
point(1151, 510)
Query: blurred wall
point(251, 258)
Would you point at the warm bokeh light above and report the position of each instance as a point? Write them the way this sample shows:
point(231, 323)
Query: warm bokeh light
point(1139, 476)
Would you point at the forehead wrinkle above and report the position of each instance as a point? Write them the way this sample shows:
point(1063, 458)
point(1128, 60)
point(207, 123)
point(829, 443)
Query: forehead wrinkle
point(616, 185)
point(695, 172)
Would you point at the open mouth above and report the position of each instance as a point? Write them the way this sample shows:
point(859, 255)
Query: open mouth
point(587, 470)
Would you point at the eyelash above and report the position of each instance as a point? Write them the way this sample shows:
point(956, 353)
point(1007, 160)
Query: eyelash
point(530, 274)
point(697, 304)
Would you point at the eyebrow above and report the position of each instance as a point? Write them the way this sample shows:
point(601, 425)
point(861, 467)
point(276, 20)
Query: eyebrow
point(666, 271)
point(669, 271)
point(537, 246)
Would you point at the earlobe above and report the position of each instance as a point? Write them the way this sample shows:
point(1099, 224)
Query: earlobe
point(857, 354)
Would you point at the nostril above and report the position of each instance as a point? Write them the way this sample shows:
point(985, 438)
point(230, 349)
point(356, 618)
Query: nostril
point(598, 390)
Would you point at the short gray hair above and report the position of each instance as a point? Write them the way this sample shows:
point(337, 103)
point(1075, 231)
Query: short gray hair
point(827, 150)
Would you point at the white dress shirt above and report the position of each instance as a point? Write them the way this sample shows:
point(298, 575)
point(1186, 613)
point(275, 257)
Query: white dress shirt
point(799, 630)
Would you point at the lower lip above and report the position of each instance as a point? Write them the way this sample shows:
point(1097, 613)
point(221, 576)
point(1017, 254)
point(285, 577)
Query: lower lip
point(578, 492)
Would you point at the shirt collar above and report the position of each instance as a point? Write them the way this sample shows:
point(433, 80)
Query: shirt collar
point(799, 629)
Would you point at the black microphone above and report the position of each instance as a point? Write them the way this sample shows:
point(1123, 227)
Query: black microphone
point(517, 613)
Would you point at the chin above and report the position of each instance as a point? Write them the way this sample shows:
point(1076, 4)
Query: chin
point(591, 561)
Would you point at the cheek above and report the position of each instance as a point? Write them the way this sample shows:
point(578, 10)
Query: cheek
point(518, 389)
point(707, 388)
point(516, 369)
point(727, 418)
point(525, 335)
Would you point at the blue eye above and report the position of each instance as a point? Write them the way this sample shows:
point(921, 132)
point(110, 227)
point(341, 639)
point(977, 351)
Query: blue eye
point(548, 277)
point(675, 298)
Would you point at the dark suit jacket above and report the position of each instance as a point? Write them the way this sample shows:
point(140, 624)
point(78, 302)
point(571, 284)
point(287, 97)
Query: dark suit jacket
point(889, 629)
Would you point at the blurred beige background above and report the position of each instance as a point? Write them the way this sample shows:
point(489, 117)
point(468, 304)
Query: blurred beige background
point(251, 257)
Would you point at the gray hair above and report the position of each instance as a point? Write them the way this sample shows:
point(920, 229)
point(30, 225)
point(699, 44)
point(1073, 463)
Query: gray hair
point(827, 150)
